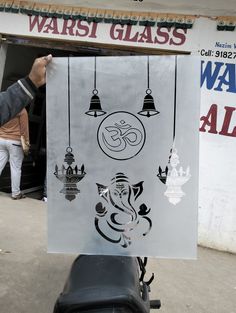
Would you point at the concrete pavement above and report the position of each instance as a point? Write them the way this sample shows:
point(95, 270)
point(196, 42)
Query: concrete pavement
point(31, 279)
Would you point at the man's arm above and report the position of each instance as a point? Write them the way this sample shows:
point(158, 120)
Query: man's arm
point(21, 93)
point(14, 99)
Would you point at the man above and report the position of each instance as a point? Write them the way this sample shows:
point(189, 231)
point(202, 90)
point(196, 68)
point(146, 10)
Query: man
point(11, 149)
point(21, 93)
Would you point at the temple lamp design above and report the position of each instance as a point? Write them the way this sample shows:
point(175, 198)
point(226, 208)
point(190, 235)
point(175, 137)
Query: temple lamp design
point(171, 176)
point(175, 179)
point(68, 174)
point(148, 103)
point(95, 108)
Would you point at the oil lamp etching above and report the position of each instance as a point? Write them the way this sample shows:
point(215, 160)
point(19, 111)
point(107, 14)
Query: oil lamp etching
point(69, 175)
point(174, 177)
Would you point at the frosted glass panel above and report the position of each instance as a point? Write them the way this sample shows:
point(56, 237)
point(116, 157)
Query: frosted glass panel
point(123, 155)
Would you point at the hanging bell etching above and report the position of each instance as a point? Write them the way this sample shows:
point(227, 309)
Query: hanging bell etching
point(149, 108)
point(95, 108)
point(148, 105)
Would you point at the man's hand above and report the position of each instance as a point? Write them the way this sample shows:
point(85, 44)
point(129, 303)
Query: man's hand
point(38, 71)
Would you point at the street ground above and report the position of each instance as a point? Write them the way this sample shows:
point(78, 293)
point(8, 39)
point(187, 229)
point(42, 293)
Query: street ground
point(31, 279)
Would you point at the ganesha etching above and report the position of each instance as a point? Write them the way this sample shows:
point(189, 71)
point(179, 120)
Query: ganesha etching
point(118, 218)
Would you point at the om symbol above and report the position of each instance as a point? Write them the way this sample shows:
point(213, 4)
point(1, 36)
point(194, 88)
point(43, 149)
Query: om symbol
point(121, 135)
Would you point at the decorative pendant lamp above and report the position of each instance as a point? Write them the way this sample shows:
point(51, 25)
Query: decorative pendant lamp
point(68, 174)
point(176, 178)
point(148, 103)
point(173, 177)
point(95, 108)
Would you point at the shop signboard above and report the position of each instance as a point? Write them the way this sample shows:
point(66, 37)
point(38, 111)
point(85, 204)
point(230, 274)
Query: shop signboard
point(156, 37)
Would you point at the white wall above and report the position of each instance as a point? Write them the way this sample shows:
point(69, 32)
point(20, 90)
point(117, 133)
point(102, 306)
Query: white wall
point(217, 188)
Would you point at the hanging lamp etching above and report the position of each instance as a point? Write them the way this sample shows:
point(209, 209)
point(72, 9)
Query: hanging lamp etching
point(149, 108)
point(176, 178)
point(69, 175)
point(95, 108)
point(173, 177)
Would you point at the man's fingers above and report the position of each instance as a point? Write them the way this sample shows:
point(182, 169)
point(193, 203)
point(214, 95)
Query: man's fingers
point(47, 59)
point(38, 70)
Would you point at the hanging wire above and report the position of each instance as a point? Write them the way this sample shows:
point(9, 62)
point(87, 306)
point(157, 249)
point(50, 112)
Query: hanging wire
point(95, 68)
point(148, 91)
point(175, 96)
point(69, 147)
point(95, 76)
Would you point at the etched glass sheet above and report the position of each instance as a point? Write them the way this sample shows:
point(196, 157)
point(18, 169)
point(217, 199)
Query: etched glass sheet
point(123, 155)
